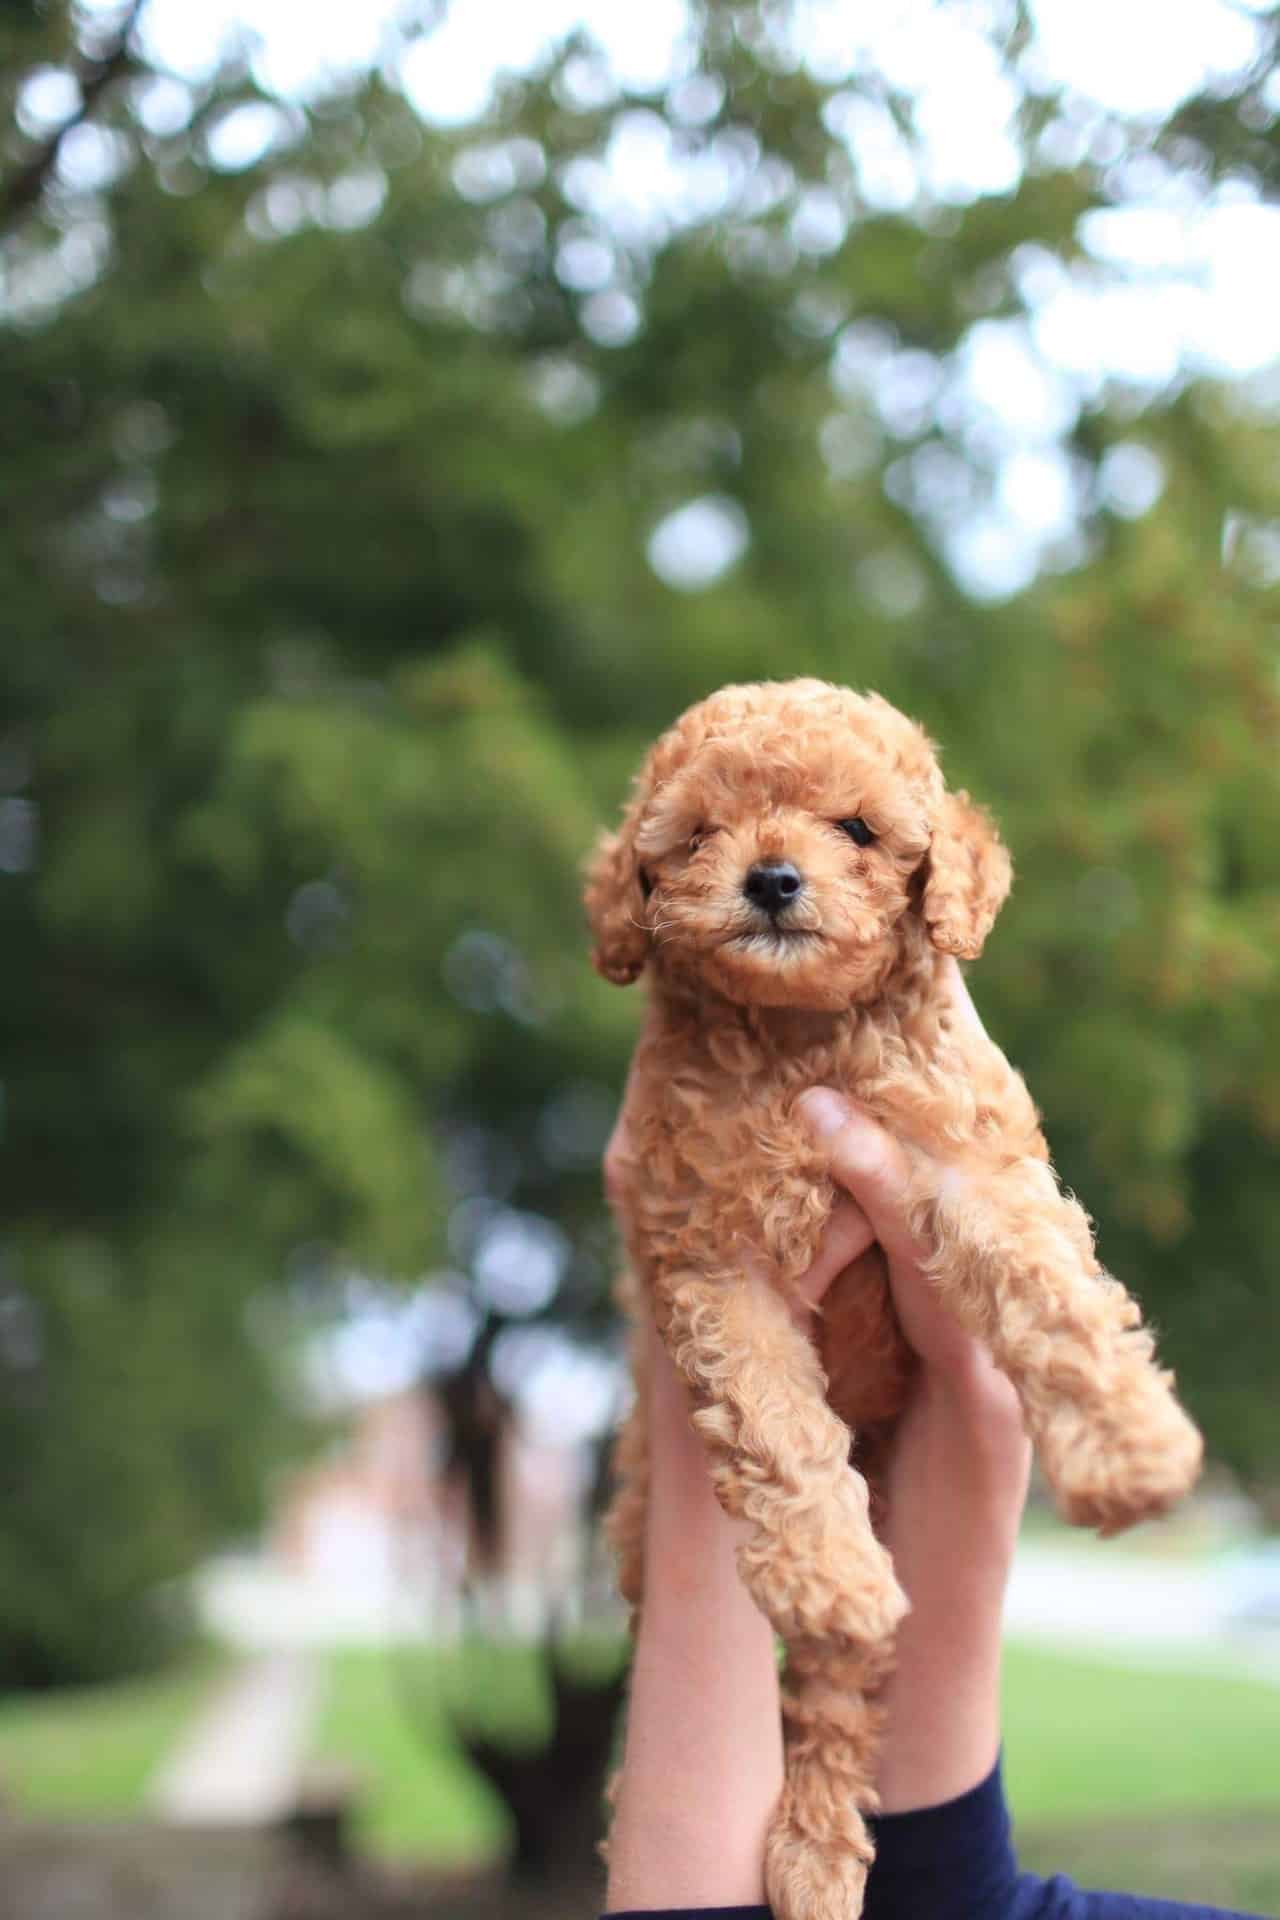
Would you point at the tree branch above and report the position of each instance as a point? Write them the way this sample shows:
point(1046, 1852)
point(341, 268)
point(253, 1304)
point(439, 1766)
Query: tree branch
point(25, 190)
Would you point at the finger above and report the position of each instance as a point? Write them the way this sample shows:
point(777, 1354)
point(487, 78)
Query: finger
point(846, 1235)
point(957, 991)
point(867, 1162)
point(617, 1159)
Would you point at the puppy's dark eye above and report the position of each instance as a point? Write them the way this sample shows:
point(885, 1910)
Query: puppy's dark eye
point(857, 829)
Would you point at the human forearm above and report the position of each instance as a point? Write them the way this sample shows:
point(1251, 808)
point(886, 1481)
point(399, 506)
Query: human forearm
point(702, 1766)
point(953, 1496)
point(954, 1501)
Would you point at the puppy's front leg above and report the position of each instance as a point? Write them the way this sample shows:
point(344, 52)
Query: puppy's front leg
point(1015, 1261)
point(780, 1461)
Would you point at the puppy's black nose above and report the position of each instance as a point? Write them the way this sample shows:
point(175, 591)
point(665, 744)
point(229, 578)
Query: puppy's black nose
point(773, 885)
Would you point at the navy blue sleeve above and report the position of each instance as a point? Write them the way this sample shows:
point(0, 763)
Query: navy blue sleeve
point(956, 1862)
point(694, 1913)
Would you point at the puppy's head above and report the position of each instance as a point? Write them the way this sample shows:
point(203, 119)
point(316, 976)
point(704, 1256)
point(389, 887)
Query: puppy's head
point(783, 841)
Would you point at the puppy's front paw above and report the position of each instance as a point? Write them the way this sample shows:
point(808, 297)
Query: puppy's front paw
point(1131, 1460)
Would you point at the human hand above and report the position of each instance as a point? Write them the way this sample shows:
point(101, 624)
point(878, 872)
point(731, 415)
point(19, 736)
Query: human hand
point(955, 1476)
point(872, 1168)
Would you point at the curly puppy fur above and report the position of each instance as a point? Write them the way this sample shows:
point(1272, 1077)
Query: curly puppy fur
point(724, 1195)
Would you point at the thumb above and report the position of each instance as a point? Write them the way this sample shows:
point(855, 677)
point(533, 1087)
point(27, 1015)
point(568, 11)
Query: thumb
point(867, 1162)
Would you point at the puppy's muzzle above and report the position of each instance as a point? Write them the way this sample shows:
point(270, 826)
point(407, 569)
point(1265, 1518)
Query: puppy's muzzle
point(773, 886)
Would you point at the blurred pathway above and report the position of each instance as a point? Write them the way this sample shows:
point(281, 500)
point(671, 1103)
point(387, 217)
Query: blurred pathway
point(1082, 1595)
point(240, 1763)
point(1095, 1599)
point(255, 1603)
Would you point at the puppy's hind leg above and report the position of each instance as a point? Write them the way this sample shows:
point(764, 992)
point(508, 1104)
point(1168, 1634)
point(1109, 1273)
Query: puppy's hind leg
point(833, 1725)
point(780, 1460)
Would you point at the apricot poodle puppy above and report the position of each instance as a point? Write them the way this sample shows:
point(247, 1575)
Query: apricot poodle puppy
point(792, 870)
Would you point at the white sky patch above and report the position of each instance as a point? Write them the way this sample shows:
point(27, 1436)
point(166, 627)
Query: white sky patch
point(566, 1393)
point(1095, 330)
point(1001, 379)
point(611, 317)
point(240, 138)
point(449, 74)
point(1208, 299)
point(818, 225)
point(991, 556)
point(48, 98)
point(299, 46)
point(698, 543)
point(389, 1340)
point(1236, 256)
point(163, 105)
point(639, 185)
point(1171, 284)
point(91, 157)
point(965, 102)
point(1130, 479)
point(965, 114)
point(1219, 260)
point(518, 1262)
point(1034, 489)
point(1215, 311)
point(1143, 56)
point(888, 178)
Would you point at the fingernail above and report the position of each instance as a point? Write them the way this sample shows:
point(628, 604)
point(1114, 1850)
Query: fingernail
point(823, 1111)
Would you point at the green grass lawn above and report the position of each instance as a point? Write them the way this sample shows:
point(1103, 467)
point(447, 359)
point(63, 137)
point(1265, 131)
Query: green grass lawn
point(388, 1716)
point(1219, 1860)
point(90, 1750)
point(1084, 1739)
point(1162, 1783)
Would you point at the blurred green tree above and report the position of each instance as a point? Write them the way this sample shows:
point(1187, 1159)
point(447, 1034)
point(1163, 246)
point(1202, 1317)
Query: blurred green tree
point(373, 491)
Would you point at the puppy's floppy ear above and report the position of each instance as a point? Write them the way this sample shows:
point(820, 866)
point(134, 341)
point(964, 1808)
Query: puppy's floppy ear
point(615, 903)
point(617, 895)
point(967, 874)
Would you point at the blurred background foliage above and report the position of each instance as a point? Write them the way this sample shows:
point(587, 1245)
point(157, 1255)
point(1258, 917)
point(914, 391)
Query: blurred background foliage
point(373, 491)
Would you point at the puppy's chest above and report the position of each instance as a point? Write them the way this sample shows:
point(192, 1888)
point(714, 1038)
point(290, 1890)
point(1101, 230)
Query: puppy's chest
point(723, 1122)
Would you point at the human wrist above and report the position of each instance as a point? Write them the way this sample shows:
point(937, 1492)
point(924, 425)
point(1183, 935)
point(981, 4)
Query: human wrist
point(703, 1763)
point(954, 1494)
point(687, 1527)
point(954, 1498)
point(972, 1413)
point(697, 1613)
point(677, 1455)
